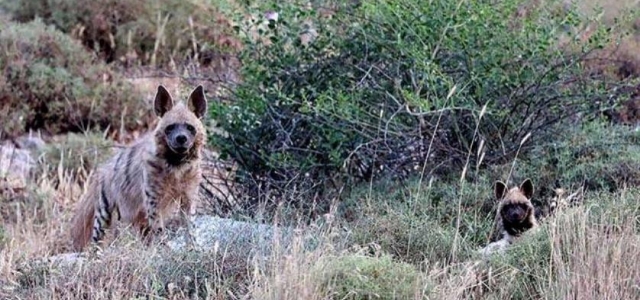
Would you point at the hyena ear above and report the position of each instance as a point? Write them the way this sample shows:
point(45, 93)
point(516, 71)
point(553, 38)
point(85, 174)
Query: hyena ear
point(198, 102)
point(527, 188)
point(500, 189)
point(163, 102)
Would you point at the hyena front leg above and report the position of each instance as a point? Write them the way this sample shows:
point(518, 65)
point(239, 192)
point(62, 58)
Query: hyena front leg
point(150, 201)
point(187, 209)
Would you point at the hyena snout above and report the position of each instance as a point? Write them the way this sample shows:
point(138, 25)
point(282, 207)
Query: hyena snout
point(515, 214)
point(180, 137)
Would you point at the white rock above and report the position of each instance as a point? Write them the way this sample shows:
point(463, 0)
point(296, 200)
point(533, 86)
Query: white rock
point(15, 164)
point(209, 233)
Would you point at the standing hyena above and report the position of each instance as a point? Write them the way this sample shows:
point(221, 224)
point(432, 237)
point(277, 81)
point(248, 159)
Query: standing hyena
point(142, 182)
point(515, 214)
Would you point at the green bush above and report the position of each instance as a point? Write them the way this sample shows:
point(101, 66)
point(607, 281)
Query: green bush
point(392, 87)
point(147, 31)
point(49, 82)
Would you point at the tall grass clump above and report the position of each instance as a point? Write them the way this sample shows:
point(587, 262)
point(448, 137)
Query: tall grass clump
point(419, 227)
point(582, 253)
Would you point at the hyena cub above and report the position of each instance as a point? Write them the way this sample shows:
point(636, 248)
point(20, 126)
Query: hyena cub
point(144, 181)
point(515, 214)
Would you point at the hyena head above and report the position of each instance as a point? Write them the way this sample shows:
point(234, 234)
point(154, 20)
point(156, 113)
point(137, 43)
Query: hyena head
point(180, 133)
point(515, 209)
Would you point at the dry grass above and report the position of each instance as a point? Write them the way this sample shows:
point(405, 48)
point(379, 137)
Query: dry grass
point(585, 252)
point(596, 260)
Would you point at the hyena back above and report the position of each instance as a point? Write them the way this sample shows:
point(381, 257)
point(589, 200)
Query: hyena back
point(515, 214)
point(143, 182)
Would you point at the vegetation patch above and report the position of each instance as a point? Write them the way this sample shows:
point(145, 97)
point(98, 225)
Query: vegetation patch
point(164, 33)
point(365, 277)
point(73, 156)
point(383, 91)
point(49, 82)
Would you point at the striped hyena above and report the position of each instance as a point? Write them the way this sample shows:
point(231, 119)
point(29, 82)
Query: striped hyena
point(142, 182)
point(515, 214)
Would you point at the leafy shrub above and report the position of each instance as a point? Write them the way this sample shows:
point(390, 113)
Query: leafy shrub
point(49, 82)
point(394, 88)
point(147, 31)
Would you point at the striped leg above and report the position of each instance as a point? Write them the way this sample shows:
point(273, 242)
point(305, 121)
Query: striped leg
point(151, 198)
point(102, 217)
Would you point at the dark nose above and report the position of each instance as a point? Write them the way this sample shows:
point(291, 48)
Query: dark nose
point(181, 139)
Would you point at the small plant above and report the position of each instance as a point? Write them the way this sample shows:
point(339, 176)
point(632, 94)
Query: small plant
point(364, 277)
point(418, 227)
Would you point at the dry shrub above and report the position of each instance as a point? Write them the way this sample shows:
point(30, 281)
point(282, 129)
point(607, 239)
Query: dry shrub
point(147, 31)
point(49, 82)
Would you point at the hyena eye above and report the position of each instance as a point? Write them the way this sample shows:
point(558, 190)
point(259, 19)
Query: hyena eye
point(191, 129)
point(170, 128)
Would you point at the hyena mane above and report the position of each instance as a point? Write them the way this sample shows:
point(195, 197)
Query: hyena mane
point(515, 213)
point(142, 183)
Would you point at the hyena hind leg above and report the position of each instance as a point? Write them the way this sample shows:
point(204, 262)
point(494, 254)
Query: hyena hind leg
point(101, 222)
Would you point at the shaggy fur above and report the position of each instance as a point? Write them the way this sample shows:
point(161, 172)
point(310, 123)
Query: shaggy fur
point(143, 182)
